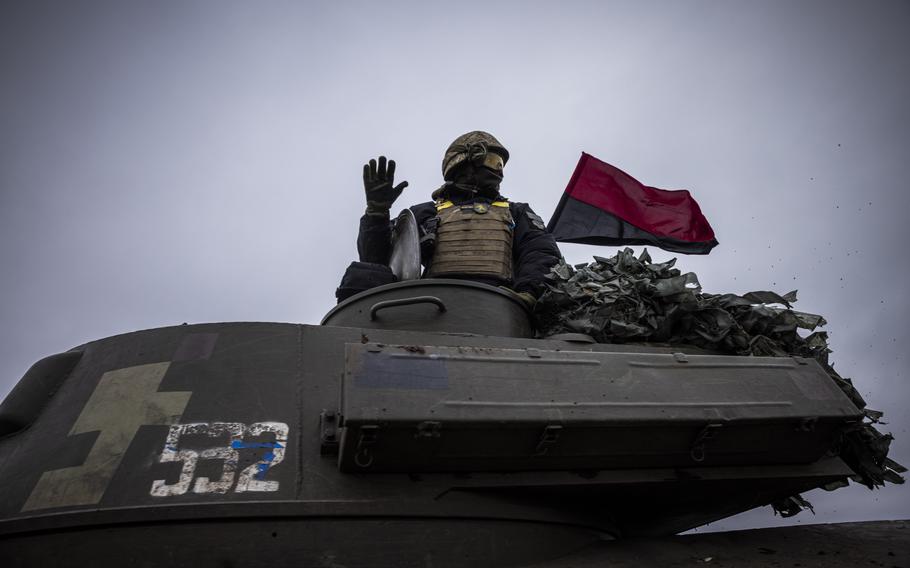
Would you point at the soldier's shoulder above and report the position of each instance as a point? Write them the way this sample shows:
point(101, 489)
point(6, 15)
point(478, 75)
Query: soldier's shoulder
point(519, 209)
point(423, 211)
point(427, 206)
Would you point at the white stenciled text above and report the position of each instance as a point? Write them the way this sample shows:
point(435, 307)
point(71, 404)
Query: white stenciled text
point(267, 440)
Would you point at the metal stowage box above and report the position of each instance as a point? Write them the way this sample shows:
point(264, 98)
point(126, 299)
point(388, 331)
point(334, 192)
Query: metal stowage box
point(429, 408)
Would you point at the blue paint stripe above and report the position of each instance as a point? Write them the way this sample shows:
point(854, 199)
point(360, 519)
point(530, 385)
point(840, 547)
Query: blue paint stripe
point(237, 445)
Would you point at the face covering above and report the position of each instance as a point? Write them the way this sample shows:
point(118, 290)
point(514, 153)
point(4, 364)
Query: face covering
point(487, 181)
point(479, 181)
point(470, 182)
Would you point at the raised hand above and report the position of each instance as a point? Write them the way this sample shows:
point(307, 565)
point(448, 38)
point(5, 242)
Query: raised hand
point(378, 183)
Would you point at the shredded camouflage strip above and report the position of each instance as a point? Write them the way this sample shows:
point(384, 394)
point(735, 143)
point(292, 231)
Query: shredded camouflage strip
point(624, 299)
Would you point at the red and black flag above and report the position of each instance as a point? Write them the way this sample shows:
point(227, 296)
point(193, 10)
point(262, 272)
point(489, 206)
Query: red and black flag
point(604, 205)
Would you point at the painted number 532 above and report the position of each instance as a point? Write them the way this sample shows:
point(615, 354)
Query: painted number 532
point(232, 436)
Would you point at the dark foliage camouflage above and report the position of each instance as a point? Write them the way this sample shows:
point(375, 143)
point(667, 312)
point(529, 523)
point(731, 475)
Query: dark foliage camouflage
point(624, 299)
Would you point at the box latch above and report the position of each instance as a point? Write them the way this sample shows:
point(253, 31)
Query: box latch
point(697, 451)
point(548, 438)
point(363, 456)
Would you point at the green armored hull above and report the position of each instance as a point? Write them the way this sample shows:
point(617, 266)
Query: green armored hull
point(419, 426)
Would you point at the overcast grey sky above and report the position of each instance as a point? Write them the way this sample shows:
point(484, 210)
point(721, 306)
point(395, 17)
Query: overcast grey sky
point(169, 162)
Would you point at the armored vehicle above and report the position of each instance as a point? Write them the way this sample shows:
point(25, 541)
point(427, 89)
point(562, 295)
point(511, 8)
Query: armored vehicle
point(421, 424)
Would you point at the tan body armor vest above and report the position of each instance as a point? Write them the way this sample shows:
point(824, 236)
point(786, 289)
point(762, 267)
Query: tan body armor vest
point(473, 239)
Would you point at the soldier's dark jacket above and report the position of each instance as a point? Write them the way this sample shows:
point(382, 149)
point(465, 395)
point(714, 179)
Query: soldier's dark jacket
point(534, 250)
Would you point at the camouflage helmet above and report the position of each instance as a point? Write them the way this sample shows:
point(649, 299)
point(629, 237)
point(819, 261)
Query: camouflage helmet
point(471, 145)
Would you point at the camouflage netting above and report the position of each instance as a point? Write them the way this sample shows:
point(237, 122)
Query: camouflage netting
point(624, 299)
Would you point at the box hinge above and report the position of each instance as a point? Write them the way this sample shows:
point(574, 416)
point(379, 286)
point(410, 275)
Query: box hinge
point(328, 433)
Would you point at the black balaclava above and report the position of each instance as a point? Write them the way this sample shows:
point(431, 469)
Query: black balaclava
point(470, 181)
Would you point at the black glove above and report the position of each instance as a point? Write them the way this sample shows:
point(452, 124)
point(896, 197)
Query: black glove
point(377, 182)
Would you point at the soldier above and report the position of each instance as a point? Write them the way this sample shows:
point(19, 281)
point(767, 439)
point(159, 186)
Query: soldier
point(468, 231)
